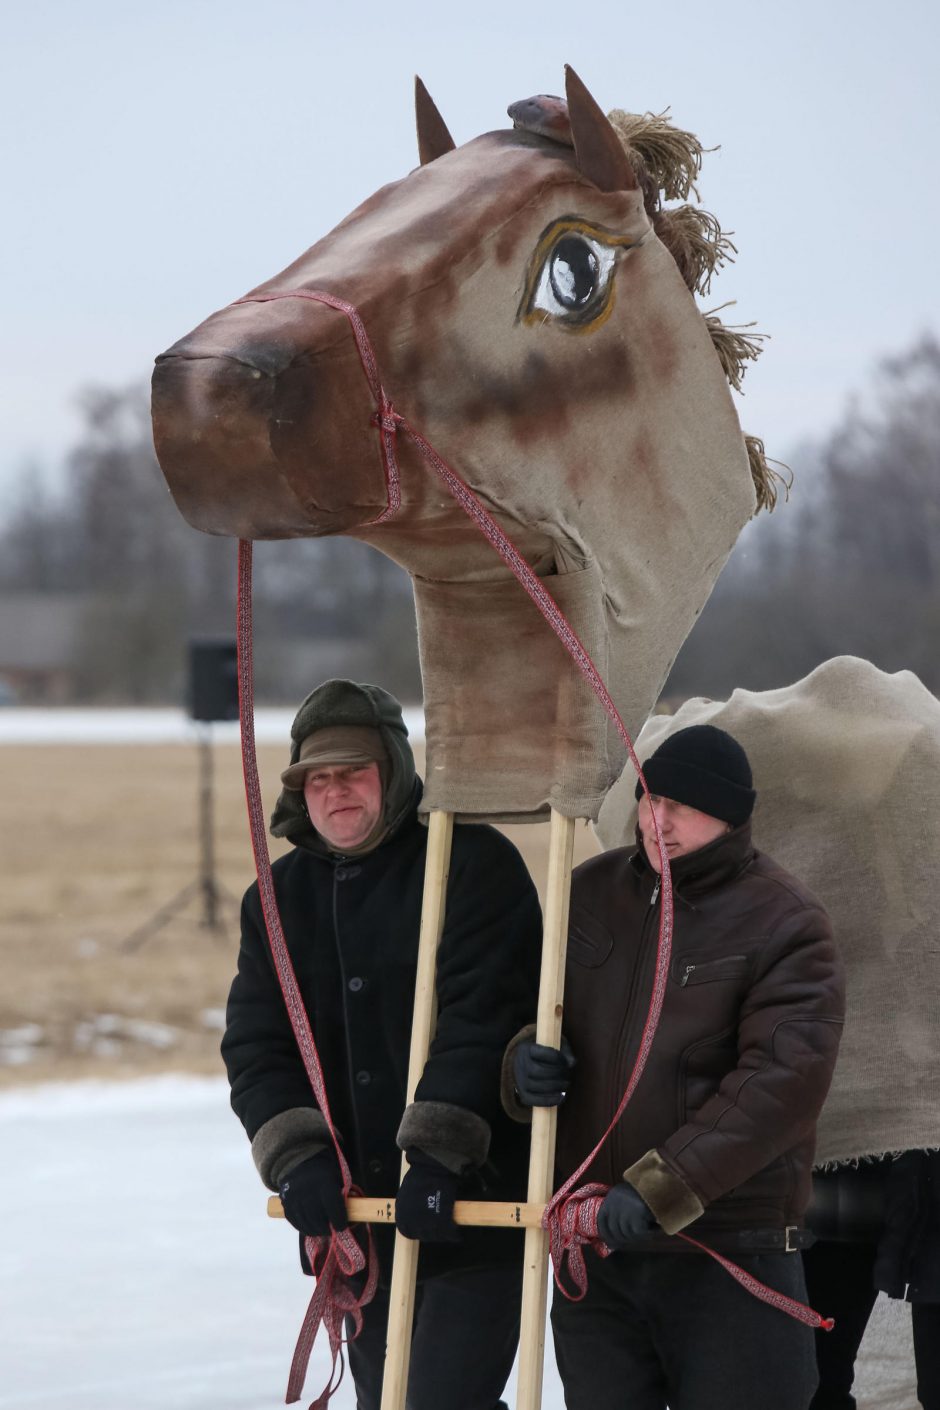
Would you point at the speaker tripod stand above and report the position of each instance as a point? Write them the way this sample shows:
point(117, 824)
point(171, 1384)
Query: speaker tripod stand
point(215, 896)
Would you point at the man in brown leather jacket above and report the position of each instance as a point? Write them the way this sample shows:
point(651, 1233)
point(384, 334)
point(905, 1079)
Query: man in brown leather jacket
point(719, 1136)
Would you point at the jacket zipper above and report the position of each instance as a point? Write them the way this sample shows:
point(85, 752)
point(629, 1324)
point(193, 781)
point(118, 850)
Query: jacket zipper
point(691, 968)
point(630, 1026)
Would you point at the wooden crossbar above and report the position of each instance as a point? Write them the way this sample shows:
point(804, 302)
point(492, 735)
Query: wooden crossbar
point(479, 1214)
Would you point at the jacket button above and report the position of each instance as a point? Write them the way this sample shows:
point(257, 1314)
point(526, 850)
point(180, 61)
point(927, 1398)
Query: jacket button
point(356, 984)
point(376, 1166)
point(363, 1078)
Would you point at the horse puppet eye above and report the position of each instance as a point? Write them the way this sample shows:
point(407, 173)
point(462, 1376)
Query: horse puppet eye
point(572, 272)
point(570, 279)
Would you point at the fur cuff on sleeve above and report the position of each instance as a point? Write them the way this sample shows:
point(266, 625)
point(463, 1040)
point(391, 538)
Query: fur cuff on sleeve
point(458, 1138)
point(507, 1083)
point(286, 1140)
point(672, 1201)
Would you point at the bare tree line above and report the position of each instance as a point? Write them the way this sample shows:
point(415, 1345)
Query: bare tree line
point(145, 582)
point(850, 565)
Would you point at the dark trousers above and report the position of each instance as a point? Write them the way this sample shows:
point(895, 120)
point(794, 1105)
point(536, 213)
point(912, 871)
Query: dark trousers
point(658, 1329)
point(925, 1324)
point(839, 1281)
point(466, 1329)
point(839, 1278)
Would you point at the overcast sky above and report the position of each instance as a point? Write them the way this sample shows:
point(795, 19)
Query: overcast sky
point(162, 158)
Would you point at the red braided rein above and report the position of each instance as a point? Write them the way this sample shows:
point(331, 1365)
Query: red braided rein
point(335, 1259)
point(571, 1215)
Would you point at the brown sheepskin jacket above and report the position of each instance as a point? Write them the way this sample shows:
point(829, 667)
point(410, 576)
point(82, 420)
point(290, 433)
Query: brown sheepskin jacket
point(720, 1132)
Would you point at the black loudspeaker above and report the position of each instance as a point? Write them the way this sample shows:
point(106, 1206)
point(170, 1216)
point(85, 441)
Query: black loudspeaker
point(213, 679)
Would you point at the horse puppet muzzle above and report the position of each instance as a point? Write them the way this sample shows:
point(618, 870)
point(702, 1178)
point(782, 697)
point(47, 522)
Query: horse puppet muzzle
point(238, 421)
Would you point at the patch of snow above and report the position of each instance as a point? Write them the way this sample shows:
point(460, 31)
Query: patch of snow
point(18, 1045)
point(105, 1032)
point(148, 1274)
point(146, 1270)
point(140, 726)
point(30, 1033)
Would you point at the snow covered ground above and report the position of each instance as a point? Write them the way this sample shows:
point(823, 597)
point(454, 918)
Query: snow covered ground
point(139, 1267)
point(67, 726)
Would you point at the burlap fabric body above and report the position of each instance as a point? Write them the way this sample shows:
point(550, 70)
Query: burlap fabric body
point(610, 452)
point(847, 770)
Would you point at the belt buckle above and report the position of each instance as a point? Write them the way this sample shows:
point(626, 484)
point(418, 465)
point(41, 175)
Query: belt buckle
point(788, 1247)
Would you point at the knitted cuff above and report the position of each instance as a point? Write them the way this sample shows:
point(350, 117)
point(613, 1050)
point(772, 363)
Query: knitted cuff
point(456, 1137)
point(507, 1083)
point(671, 1200)
point(287, 1139)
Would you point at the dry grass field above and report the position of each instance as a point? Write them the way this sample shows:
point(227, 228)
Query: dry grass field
point(95, 840)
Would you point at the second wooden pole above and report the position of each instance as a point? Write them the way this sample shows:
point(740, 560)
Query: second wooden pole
point(542, 1159)
point(405, 1265)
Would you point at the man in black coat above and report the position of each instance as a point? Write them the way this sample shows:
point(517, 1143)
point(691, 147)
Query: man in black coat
point(349, 896)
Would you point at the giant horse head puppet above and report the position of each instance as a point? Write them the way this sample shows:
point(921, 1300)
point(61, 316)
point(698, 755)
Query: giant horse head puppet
point(530, 304)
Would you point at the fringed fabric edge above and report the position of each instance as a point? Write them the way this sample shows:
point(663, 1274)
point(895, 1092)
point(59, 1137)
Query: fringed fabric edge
point(667, 161)
point(768, 481)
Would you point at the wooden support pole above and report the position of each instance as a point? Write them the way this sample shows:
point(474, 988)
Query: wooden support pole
point(542, 1158)
point(405, 1265)
point(477, 1214)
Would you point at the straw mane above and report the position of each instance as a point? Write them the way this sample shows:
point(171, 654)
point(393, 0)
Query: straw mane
point(667, 161)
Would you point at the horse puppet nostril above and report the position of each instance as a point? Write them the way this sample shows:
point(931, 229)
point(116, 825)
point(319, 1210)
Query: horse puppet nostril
point(253, 446)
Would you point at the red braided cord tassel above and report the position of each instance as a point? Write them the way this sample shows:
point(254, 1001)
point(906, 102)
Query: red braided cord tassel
point(333, 1260)
point(757, 1289)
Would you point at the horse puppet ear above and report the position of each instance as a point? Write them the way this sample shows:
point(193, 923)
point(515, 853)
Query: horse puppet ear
point(600, 153)
point(434, 140)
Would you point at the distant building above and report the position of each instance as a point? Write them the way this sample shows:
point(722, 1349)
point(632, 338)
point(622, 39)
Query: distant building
point(61, 648)
point(38, 636)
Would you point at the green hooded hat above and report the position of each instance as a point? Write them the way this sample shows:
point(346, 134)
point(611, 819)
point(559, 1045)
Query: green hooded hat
point(340, 702)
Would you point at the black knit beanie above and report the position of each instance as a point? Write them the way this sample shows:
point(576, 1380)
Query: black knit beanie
point(705, 768)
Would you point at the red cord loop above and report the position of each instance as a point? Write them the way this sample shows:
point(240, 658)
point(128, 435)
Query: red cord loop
point(333, 1261)
point(572, 1226)
point(387, 419)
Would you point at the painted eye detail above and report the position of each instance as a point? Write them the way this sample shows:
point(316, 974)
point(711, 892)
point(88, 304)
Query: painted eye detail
point(572, 271)
point(573, 283)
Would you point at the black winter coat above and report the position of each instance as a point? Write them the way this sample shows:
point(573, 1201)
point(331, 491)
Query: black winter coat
point(351, 926)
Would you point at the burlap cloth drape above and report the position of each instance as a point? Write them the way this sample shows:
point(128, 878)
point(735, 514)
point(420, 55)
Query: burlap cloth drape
point(847, 768)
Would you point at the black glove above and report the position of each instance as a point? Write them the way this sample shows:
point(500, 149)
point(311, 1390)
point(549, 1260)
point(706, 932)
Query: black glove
point(312, 1195)
point(542, 1075)
point(624, 1216)
point(424, 1205)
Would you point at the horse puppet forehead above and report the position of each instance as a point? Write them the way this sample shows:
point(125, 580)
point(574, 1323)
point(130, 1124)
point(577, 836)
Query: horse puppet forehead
point(531, 326)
